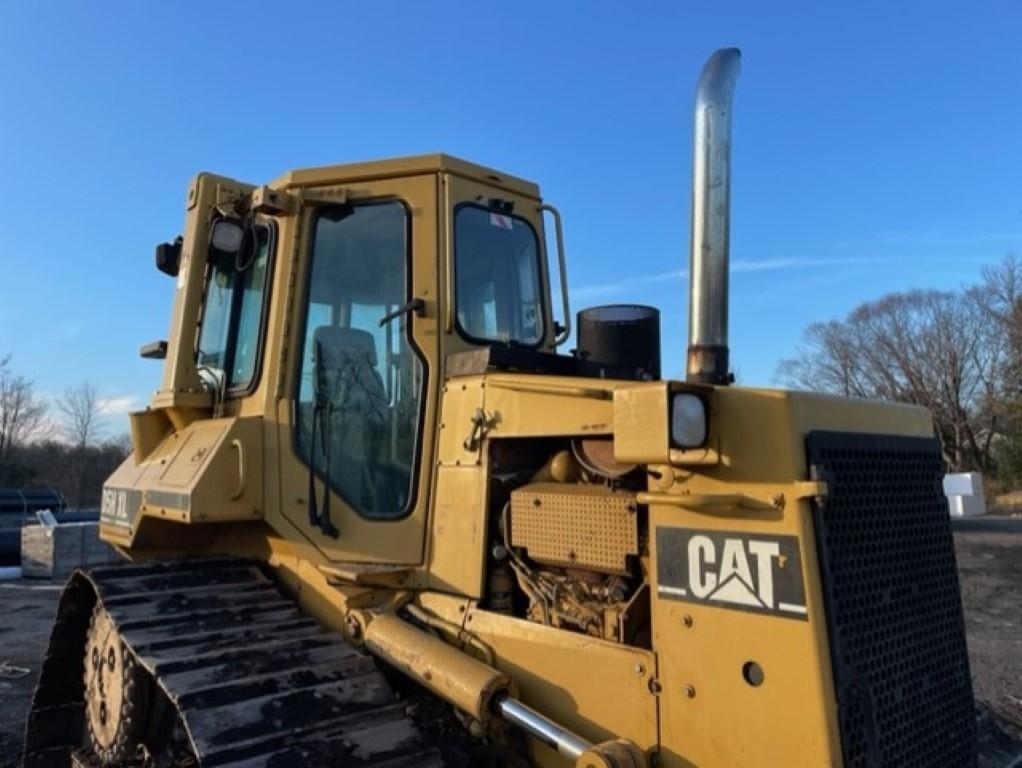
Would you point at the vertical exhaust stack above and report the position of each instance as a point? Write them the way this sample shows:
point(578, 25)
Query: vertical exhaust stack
point(711, 220)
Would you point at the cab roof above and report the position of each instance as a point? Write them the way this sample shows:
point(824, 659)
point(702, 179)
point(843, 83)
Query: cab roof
point(405, 166)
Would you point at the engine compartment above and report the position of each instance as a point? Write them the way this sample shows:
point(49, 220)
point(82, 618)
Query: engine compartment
point(569, 543)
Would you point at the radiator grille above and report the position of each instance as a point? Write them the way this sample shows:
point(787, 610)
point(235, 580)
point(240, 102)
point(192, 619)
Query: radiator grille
point(894, 610)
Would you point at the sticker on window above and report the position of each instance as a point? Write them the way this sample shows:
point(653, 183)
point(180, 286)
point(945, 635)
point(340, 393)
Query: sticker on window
point(501, 221)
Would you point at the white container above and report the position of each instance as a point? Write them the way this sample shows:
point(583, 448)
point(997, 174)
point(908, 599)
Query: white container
point(964, 484)
point(964, 491)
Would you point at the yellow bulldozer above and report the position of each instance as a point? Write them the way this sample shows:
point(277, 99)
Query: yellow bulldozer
point(375, 518)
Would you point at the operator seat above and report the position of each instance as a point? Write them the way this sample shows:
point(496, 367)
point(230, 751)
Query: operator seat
point(350, 390)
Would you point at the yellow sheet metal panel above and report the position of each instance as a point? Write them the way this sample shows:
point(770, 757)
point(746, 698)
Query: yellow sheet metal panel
point(458, 540)
point(735, 624)
point(231, 487)
point(461, 405)
point(123, 508)
point(641, 423)
point(598, 689)
point(194, 449)
point(575, 526)
point(406, 166)
point(210, 471)
point(714, 569)
point(738, 616)
point(813, 411)
point(533, 406)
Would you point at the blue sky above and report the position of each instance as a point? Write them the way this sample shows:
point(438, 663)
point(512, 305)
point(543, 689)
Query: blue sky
point(876, 148)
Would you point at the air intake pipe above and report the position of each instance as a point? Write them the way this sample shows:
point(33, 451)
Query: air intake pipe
point(707, 361)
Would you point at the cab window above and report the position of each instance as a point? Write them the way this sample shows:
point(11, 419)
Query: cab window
point(360, 381)
point(498, 288)
point(234, 306)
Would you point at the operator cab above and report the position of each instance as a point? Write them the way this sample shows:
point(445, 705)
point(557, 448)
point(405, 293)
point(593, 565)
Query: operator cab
point(330, 308)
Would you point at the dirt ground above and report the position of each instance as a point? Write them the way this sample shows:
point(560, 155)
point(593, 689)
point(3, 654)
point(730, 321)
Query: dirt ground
point(989, 560)
point(989, 554)
point(26, 614)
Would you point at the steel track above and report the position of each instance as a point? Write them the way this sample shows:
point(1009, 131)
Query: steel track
point(254, 682)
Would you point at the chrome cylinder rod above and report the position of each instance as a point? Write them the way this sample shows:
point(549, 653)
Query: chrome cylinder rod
point(550, 733)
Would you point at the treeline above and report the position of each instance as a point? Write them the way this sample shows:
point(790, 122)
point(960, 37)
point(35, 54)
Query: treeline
point(959, 353)
point(59, 444)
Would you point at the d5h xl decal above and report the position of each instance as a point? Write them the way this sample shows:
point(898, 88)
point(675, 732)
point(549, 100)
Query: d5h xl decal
point(753, 572)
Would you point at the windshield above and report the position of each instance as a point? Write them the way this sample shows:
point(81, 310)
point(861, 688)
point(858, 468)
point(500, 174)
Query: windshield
point(497, 277)
point(232, 316)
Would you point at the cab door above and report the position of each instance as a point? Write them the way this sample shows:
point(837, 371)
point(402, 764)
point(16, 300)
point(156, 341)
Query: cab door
point(356, 425)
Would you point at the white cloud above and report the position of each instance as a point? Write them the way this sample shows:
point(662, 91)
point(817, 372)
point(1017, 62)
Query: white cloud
point(738, 266)
point(937, 238)
point(606, 289)
point(119, 406)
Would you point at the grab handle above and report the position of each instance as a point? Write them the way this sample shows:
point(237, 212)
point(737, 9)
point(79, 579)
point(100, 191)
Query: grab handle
point(563, 332)
point(240, 489)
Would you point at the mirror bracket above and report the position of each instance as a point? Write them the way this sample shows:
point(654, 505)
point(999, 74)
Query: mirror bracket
point(230, 201)
point(272, 202)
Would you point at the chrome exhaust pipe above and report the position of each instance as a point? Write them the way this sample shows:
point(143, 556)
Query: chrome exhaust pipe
point(707, 361)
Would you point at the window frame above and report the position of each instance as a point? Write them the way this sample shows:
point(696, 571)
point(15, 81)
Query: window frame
point(236, 390)
point(315, 211)
point(542, 281)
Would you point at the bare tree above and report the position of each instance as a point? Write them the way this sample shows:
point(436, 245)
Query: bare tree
point(931, 348)
point(121, 442)
point(22, 412)
point(79, 407)
point(827, 360)
point(1002, 299)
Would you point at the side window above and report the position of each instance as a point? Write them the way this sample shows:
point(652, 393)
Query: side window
point(497, 277)
point(360, 383)
point(232, 315)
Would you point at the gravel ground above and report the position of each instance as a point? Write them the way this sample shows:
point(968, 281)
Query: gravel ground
point(989, 561)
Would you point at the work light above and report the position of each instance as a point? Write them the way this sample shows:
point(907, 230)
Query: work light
point(688, 420)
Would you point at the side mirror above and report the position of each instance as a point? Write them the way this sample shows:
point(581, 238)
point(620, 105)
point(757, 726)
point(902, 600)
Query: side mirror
point(154, 350)
point(168, 256)
point(227, 236)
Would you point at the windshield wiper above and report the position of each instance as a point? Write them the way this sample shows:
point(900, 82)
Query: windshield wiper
point(321, 405)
